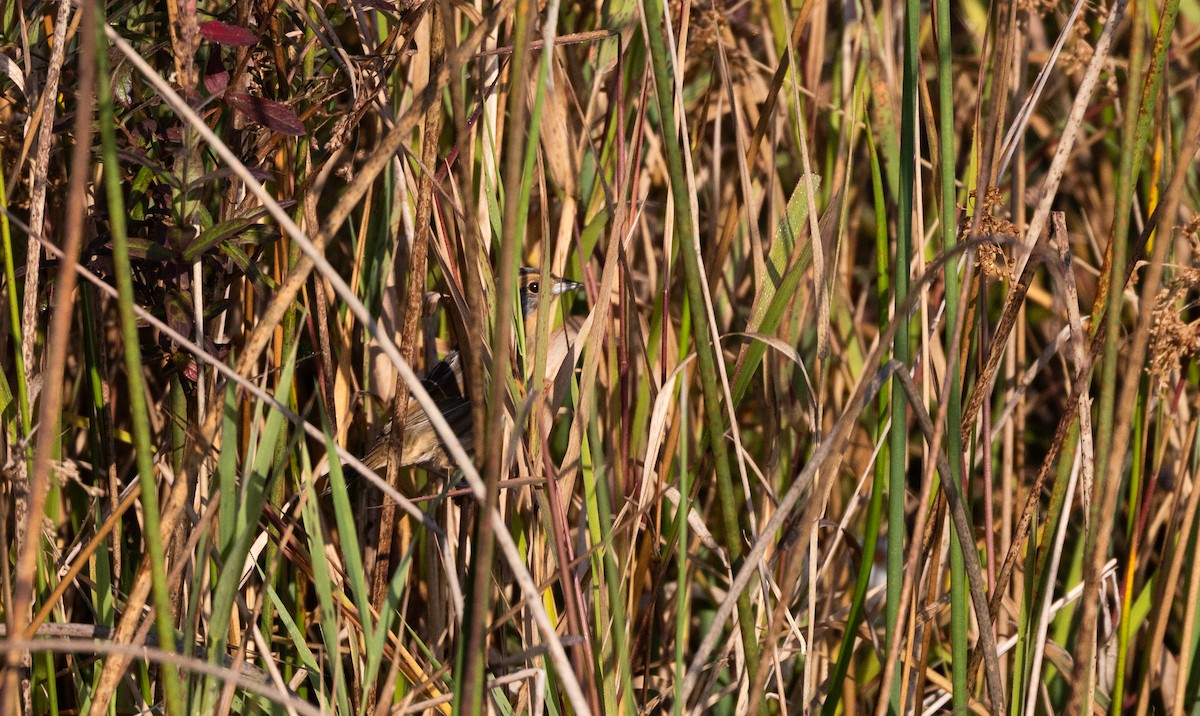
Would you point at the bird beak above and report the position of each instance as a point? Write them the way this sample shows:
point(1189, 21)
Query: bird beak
point(562, 286)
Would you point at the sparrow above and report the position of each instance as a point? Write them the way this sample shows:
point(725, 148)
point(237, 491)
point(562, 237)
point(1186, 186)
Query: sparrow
point(446, 385)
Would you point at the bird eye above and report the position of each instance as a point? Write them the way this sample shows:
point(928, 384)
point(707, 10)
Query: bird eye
point(533, 287)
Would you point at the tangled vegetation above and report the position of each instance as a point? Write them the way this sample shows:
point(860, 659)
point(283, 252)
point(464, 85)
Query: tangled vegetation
point(880, 394)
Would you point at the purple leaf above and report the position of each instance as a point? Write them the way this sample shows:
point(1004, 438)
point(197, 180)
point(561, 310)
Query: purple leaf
point(270, 114)
point(179, 316)
point(191, 371)
point(216, 82)
point(216, 77)
point(224, 34)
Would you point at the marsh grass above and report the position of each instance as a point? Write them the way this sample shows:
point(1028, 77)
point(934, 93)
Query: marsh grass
point(880, 397)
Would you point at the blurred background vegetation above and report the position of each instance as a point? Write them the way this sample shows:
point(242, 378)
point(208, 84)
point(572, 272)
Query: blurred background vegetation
point(880, 396)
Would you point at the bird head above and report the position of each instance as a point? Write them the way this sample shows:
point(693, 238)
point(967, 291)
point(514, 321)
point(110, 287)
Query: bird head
point(532, 291)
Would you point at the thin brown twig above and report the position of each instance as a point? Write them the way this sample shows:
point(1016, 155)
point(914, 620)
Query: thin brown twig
point(417, 258)
point(29, 534)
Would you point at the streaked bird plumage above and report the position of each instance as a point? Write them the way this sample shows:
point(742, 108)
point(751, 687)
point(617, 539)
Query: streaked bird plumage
point(446, 385)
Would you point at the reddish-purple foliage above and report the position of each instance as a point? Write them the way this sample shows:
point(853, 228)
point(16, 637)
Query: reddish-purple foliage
point(270, 114)
point(225, 34)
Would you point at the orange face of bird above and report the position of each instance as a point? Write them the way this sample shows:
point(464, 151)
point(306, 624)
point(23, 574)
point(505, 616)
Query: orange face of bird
point(532, 292)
